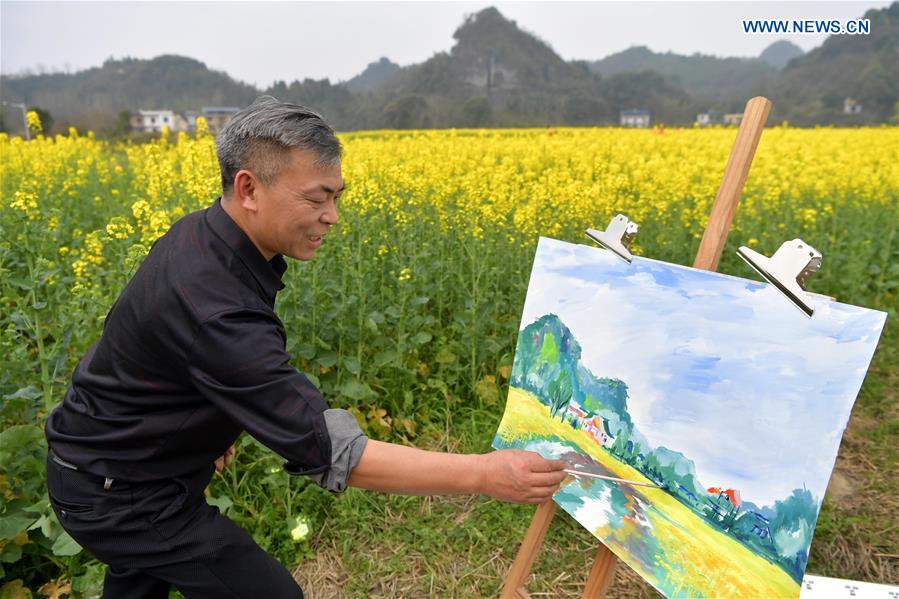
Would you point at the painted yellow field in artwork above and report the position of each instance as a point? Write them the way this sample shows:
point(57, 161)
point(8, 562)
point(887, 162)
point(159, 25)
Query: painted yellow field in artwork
point(692, 559)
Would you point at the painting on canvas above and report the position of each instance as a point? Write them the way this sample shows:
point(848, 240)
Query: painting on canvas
point(712, 387)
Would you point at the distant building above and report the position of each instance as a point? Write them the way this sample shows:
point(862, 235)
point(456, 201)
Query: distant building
point(635, 118)
point(180, 123)
point(704, 119)
point(851, 106)
point(152, 121)
point(191, 117)
point(733, 118)
point(218, 116)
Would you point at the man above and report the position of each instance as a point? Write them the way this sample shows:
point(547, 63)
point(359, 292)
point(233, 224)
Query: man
point(192, 354)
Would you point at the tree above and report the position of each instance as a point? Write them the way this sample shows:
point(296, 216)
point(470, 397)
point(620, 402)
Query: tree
point(559, 393)
point(792, 527)
point(585, 110)
point(407, 112)
point(619, 447)
point(477, 112)
point(46, 119)
point(794, 523)
point(122, 125)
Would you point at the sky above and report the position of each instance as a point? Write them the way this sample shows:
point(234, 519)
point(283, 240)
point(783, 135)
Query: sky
point(261, 42)
point(723, 369)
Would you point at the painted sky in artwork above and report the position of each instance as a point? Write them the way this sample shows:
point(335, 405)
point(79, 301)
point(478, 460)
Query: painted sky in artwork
point(723, 369)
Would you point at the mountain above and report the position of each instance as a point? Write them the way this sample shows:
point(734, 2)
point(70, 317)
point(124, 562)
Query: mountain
point(714, 79)
point(678, 472)
point(374, 76)
point(91, 98)
point(497, 75)
point(547, 363)
point(339, 106)
point(780, 53)
point(494, 74)
point(494, 55)
point(813, 88)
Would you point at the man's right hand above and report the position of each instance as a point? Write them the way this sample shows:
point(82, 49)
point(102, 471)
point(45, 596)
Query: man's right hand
point(520, 476)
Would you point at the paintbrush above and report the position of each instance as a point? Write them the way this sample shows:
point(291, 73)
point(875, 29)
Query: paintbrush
point(611, 478)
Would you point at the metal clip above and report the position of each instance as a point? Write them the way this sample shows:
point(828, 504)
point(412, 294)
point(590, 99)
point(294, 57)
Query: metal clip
point(107, 482)
point(788, 270)
point(617, 237)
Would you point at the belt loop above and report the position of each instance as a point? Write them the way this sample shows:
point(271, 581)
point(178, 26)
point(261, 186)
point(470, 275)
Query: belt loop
point(107, 482)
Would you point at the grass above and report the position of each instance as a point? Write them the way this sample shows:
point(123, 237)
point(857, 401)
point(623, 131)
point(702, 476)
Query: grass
point(857, 536)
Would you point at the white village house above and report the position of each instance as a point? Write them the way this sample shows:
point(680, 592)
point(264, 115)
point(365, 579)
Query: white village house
point(152, 121)
point(218, 116)
point(575, 411)
point(851, 106)
point(596, 426)
point(733, 118)
point(635, 118)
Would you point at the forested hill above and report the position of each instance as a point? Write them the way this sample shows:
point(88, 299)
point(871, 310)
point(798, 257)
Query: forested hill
point(91, 98)
point(720, 81)
point(496, 74)
point(811, 88)
point(548, 364)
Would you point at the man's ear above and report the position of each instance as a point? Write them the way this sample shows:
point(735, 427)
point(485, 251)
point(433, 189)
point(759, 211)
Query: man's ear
point(246, 187)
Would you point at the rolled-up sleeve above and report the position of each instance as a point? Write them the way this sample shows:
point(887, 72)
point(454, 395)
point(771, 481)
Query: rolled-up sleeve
point(347, 444)
point(239, 363)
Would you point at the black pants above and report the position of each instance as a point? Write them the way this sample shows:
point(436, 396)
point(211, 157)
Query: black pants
point(156, 535)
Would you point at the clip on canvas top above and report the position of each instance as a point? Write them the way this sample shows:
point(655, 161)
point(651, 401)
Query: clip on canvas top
point(788, 269)
point(617, 237)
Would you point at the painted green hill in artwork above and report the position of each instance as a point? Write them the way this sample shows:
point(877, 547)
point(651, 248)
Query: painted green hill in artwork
point(547, 363)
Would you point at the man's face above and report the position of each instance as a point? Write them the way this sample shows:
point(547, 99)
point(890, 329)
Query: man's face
point(298, 209)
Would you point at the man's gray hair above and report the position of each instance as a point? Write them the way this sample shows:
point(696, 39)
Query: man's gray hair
point(260, 137)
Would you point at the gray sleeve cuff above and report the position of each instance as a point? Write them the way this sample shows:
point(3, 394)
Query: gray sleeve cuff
point(347, 444)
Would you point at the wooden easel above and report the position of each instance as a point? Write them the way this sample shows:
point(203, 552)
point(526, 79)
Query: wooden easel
point(710, 250)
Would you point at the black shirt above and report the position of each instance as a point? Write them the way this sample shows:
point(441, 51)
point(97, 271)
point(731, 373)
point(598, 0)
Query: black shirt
point(192, 353)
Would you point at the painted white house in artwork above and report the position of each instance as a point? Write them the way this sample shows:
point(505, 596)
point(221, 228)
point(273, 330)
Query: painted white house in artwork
point(599, 428)
point(575, 411)
point(596, 425)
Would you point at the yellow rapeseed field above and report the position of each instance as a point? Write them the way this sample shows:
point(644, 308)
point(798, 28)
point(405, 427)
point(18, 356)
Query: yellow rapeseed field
point(832, 187)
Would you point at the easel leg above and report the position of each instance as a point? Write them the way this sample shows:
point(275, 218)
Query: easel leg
point(601, 574)
point(533, 539)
